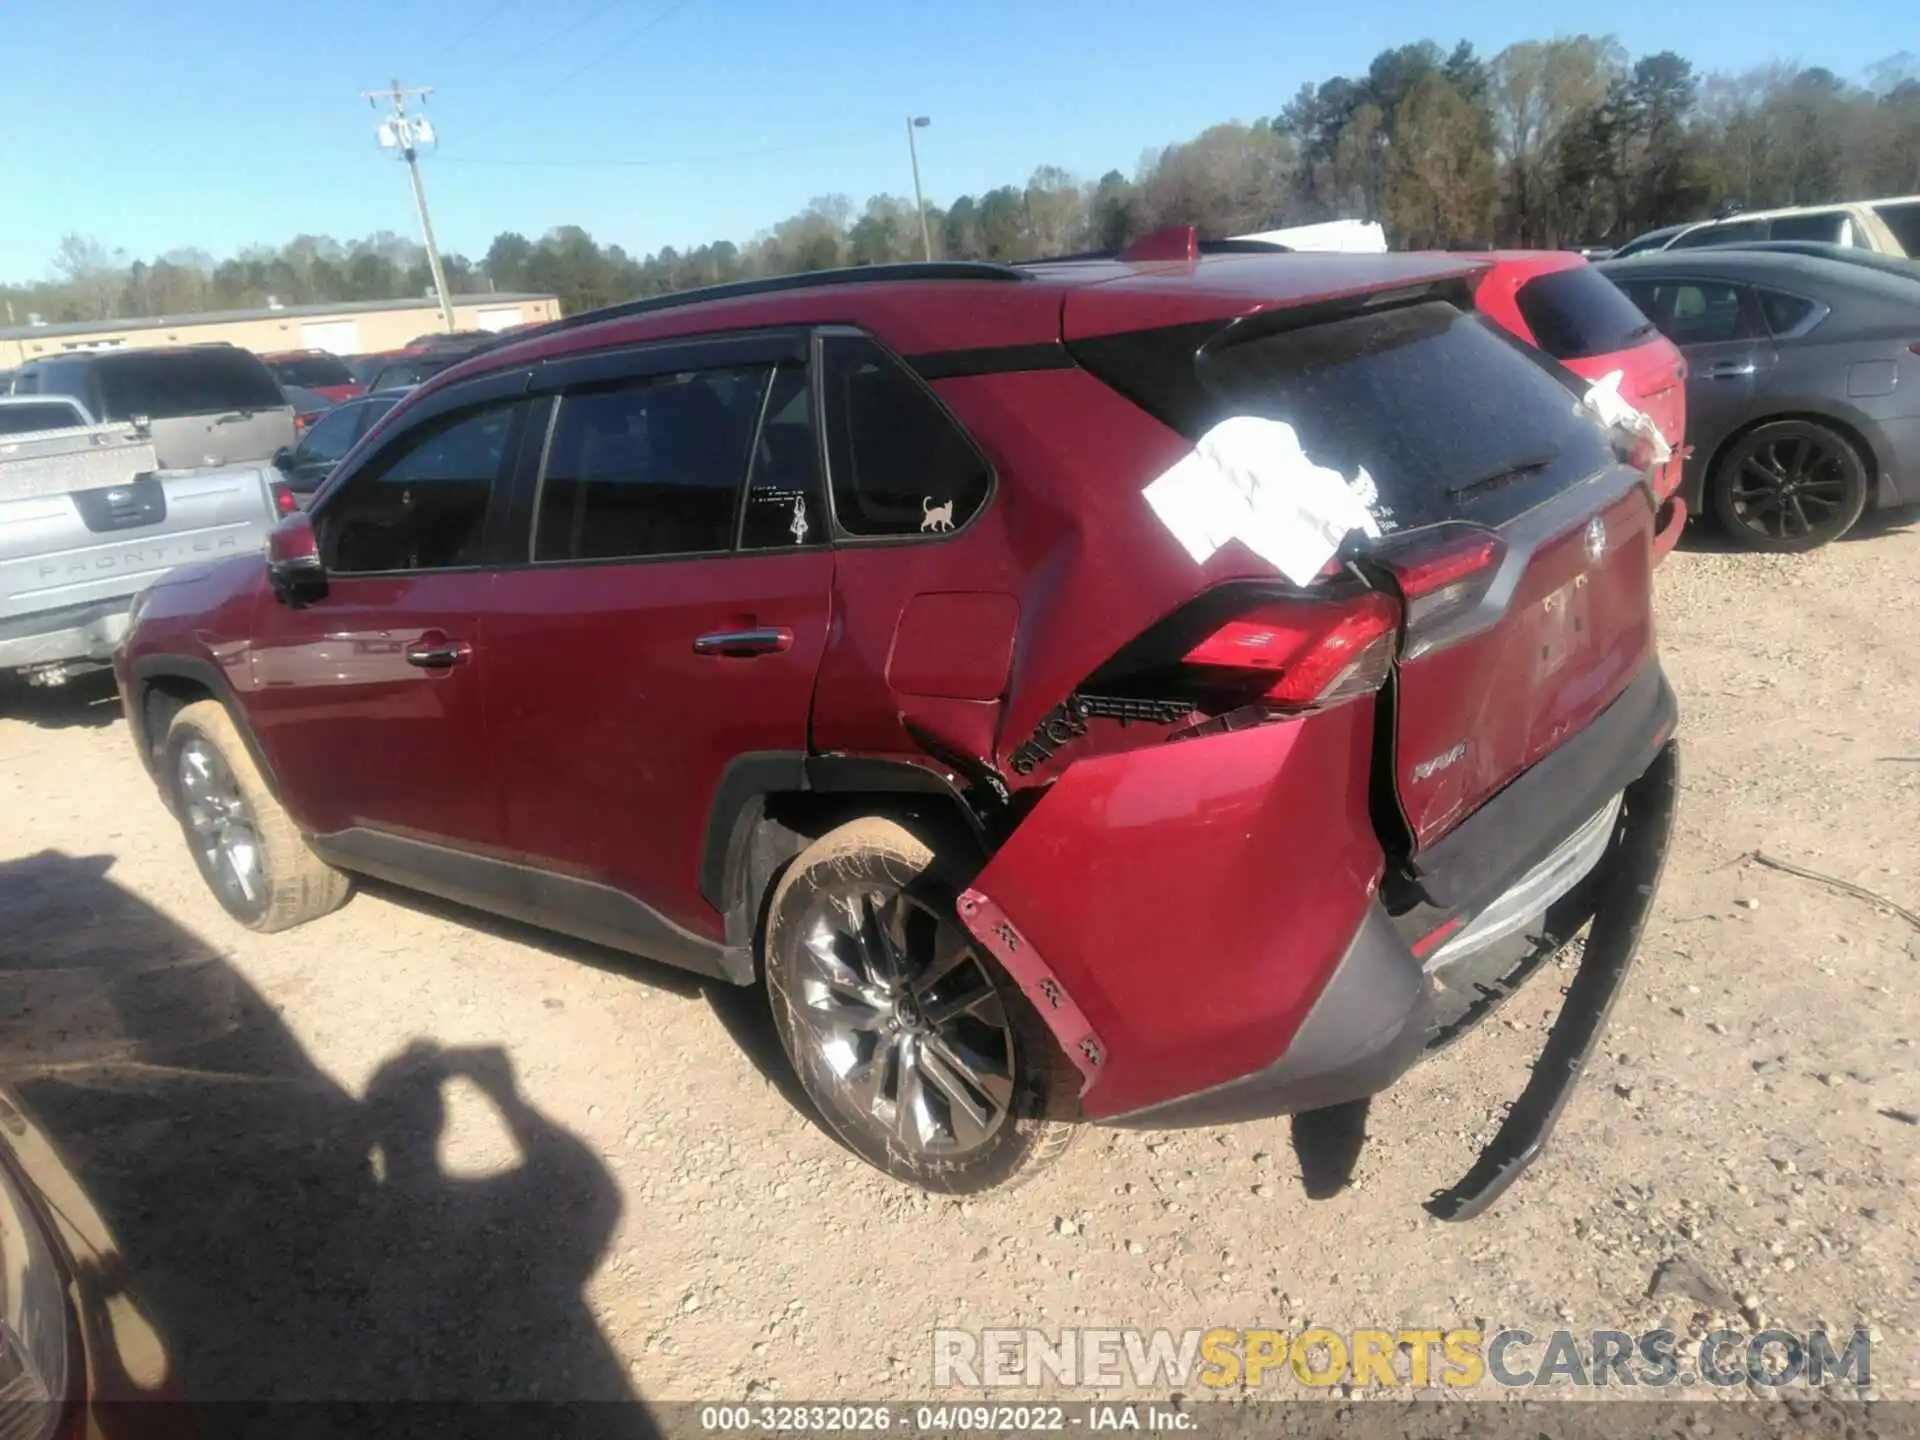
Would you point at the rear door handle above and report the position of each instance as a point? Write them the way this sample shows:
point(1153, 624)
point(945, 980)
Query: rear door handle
point(769, 641)
point(1731, 370)
point(438, 654)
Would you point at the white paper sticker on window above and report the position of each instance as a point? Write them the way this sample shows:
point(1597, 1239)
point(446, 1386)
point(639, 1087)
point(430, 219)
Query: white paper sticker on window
point(1248, 479)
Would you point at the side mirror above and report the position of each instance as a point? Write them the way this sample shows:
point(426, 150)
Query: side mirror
point(283, 458)
point(293, 561)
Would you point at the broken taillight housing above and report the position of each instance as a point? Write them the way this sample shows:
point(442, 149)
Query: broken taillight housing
point(1304, 653)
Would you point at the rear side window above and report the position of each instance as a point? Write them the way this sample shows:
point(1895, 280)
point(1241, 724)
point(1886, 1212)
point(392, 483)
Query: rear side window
point(1734, 233)
point(1784, 313)
point(1904, 220)
point(163, 385)
point(652, 467)
point(1577, 313)
point(422, 504)
point(783, 506)
point(25, 419)
point(1693, 312)
point(900, 464)
point(1829, 227)
point(311, 371)
point(1450, 418)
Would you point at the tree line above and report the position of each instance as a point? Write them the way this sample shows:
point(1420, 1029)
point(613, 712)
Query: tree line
point(1549, 143)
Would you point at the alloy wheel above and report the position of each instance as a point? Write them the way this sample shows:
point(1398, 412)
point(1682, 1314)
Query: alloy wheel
point(222, 827)
point(1791, 487)
point(904, 1021)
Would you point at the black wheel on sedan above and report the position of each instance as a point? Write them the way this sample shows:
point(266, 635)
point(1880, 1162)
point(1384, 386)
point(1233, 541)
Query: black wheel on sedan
point(920, 1054)
point(1789, 485)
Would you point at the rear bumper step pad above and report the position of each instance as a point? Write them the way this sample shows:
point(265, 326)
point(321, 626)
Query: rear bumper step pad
point(1631, 875)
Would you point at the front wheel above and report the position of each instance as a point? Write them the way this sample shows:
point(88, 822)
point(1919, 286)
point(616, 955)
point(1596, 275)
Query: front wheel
point(920, 1054)
point(1789, 485)
point(248, 850)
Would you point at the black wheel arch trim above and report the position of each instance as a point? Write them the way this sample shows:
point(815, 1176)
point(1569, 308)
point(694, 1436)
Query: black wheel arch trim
point(739, 804)
point(141, 677)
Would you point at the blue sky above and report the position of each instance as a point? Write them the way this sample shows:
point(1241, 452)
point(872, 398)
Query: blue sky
point(221, 123)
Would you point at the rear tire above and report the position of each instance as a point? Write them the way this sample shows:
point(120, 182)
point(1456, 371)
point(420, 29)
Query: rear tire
point(248, 850)
point(1789, 486)
point(918, 1051)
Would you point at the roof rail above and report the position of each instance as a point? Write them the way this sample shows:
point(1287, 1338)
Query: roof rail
point(776, 285)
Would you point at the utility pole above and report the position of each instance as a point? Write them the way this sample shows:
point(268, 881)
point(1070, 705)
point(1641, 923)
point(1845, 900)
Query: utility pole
point(919, 122)
point(406, 133)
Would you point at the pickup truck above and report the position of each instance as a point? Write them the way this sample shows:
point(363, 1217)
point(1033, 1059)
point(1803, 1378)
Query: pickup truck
point(88, 519)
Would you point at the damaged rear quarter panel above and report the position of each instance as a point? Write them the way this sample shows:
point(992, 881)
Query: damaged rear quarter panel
point(1193, 898)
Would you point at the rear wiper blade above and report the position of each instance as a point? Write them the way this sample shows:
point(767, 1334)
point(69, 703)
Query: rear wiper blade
point(1513, 470)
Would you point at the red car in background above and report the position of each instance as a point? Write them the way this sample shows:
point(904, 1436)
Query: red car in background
point(1554, 300)
point(315, 370)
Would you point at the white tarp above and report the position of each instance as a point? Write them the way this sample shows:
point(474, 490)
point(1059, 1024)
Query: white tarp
point(1604, 402)
point(1249, 480)
point(1354, 237)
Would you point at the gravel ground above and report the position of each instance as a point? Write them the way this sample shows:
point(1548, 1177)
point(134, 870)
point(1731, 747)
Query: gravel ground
point(409, 1151)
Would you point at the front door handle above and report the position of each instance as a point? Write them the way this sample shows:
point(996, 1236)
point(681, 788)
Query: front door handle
point(769, 641)
point(1731, 370)
point(438, 654)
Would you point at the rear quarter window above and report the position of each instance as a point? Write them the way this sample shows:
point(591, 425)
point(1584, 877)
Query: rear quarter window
point(1904, 221)
point(163, 385)
point(1829, 227)
point(1578, 313)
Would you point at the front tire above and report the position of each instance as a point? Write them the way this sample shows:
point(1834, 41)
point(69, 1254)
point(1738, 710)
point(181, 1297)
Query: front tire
point(918, 1051)
point(246, 845)
point(1789, 486)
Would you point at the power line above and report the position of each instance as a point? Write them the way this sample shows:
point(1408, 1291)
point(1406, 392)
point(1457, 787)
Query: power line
point(817, 143)
point(609, 51)
point(492, 13)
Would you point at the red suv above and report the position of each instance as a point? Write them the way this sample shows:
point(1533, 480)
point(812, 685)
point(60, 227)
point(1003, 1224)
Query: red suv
point(1555, 300)
point(817, 633)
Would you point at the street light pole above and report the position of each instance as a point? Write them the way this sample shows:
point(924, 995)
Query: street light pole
point(919, 122)
point(401, 132)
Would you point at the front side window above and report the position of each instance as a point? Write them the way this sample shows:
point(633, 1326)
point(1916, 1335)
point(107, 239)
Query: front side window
point(900, 464)
point(330, 438)
point(421, 504)
point(649, 467)
point(1738, 232)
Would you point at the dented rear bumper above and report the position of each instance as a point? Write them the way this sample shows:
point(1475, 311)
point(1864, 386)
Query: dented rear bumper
point(1230, 922)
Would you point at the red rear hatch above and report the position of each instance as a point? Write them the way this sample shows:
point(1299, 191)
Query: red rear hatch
point(1520, 545)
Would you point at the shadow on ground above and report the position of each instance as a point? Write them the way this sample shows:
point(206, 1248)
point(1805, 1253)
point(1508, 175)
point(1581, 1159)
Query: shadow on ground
point(90, 701)
point(288, 1240)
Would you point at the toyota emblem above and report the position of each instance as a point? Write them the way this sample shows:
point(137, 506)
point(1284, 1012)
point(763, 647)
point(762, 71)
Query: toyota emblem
point(1596, 538)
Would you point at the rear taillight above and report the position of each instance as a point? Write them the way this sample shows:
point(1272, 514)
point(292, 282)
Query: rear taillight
point(1443, 582)
point(1915, 347)
point(1302, 654)
point(285, 502)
